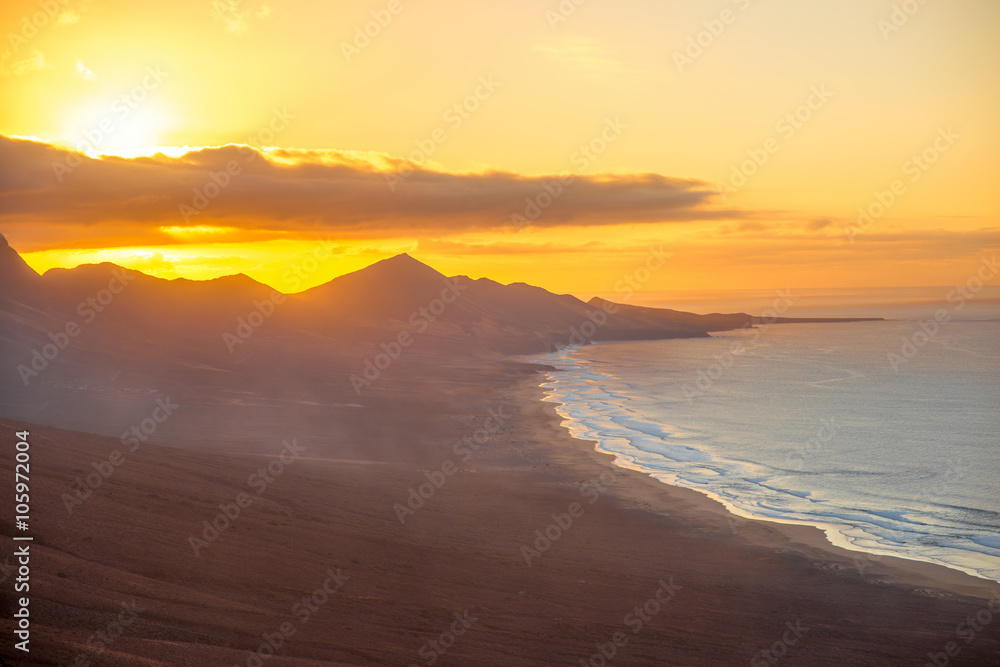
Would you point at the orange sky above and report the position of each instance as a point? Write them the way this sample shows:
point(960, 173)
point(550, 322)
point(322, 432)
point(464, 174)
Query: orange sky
point(745, 158)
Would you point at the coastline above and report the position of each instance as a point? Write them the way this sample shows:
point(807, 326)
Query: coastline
point(811, 541)
point(463, 549)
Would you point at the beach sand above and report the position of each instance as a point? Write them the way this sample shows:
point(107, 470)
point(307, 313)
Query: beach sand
point(455, 573)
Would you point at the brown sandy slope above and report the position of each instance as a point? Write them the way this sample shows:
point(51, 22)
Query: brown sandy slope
point(741, 582)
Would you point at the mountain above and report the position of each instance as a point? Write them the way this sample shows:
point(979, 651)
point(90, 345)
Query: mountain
point(129, 303)
point(358, 309)
point(88, 348)
point(711, 322)
point(516, 318)
point(387, 290)
point(394, 294)
point(18, 281)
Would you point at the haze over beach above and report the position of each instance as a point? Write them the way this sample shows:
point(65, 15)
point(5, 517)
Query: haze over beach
point(524, 333)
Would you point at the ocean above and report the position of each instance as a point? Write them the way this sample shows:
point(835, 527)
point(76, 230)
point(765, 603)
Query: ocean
point(813, 423)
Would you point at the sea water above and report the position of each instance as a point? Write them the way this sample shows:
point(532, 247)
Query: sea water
point(813, 423)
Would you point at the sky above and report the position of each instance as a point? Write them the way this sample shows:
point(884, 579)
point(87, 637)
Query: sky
point(548, 142)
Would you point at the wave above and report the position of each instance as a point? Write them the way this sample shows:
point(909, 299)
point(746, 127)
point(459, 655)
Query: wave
point(961, 538)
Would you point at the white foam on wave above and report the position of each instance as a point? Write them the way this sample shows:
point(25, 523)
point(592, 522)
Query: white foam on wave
point(592, 410)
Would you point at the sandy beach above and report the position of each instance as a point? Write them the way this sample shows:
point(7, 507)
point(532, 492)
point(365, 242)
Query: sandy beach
point(528, 548)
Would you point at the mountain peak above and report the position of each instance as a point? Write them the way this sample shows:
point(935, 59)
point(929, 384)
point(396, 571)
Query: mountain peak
point(393, 273)
point(231, 279)
point(388, 289)
point(400, 261)
point(16, 277)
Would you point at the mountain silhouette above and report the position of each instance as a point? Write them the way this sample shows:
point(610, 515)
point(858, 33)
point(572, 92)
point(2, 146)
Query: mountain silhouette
point(18, 281)
point(392, 295)
point(73, 335)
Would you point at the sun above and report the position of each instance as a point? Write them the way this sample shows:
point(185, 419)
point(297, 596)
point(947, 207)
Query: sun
point(142, 129)
point(120, 128)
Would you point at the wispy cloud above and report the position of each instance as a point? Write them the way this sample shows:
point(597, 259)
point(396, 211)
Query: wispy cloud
point(84, 71)
point(234, 17)
point(817, 225)
point(68, 17)
point(19, 67)
point(73, 14)
point(585, 52)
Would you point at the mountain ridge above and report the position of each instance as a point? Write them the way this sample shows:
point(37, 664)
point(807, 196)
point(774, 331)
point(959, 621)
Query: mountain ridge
point(86, 345)
point(391, 294)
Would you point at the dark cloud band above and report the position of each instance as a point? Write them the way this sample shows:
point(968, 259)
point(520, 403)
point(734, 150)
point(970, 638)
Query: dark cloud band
point(308, 190)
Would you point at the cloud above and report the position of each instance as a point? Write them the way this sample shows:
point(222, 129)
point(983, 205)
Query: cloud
point(581, 51)
point(83, 71)
point(444, 247)
point(9, 66)
point(752, 227)
point(72, 15)
point(235, 20)
point(788, 246)
point(312, 191)
point(68, 17)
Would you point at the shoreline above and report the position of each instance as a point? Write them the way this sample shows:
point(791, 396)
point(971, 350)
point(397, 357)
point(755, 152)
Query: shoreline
point(463, 547)
point(807, 539)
